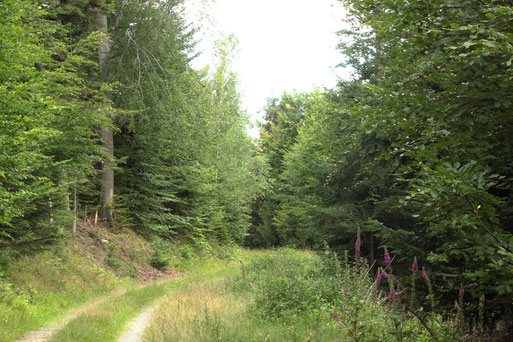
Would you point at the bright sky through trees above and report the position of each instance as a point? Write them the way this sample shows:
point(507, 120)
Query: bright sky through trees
point(284, 45)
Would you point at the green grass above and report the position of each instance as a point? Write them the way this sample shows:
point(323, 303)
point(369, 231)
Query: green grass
point(108, 321)
point(287, 295)
point(40, 289)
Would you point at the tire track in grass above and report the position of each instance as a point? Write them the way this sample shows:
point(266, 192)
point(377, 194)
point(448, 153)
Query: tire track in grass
point(105, 323)
point(137, 326)
point(196, 284)
point(45, 333)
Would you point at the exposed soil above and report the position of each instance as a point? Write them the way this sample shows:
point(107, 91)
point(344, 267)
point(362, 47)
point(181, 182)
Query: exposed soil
point(137, 326)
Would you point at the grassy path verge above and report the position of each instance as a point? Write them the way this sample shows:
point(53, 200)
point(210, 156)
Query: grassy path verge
point(137, 326)
point(106, 322)
point(46, 333)
point(289, 296)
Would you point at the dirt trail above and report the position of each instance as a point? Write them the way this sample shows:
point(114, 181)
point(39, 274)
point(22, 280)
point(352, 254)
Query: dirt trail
point(45, 333)
point(136, 327)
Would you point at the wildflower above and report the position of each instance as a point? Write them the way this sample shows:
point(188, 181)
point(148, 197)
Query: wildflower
point(378, 280)
point(415, 266)
point(425, 276)
point(346, 290)
point(390, 297)
point(384, 274)
point(240, 260)
point(387, 259)
point(358, 245)
point(336, 316)
point(462, 292)
point(483, 299)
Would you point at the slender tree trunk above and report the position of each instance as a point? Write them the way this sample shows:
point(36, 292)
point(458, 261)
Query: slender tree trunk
point(50, 204)
point(107, 177)
point(371, 251)
point(63, 182)
point(75, 204)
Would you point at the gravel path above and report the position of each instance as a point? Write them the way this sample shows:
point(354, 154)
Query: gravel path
point(45, 333)
point(136, 327)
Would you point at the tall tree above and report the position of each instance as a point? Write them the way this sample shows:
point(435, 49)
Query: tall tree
point(107, 175)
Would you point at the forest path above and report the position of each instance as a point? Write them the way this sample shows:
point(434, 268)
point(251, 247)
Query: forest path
point(137, 326)
point(101, 319)
point(45, 333)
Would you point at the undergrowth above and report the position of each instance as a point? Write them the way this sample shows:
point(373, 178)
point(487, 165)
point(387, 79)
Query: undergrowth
point(289, 295)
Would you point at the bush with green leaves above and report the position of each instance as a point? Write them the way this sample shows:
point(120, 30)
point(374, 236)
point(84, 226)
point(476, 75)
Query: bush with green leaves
point(336, 299)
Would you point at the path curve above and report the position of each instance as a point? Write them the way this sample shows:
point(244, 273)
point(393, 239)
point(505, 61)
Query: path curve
point(137, 326)
point(45, 333)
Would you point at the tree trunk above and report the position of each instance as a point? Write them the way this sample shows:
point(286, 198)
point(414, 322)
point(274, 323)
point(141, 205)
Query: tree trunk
point(371, 251)
point(74, 227)
point(107, 177)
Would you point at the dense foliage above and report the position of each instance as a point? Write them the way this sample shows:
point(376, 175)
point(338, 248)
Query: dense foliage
point(325, 299)
point(414, 153)
point(93, 89)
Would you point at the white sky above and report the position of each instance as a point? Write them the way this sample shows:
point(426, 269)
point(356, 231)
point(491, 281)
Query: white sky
point(284, 45)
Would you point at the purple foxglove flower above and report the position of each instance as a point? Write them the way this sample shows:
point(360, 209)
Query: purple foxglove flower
point(384, 274)
point(387, 259)
point(336, 316)
point(415, 266)
point(378, 280)
point(425, 276)
point(358, 245)
point(391, 295)
point(240, 260)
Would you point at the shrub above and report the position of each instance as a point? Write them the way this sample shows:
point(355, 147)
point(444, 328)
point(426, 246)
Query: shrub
point(333, 298)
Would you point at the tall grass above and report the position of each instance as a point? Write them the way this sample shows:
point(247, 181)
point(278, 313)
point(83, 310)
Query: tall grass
point(288, 295)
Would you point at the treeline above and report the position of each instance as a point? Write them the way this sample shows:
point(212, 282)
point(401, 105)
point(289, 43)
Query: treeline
point(415, 154)
point(101, 111)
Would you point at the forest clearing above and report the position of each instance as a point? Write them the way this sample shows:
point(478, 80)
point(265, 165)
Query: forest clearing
point(376, 209)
